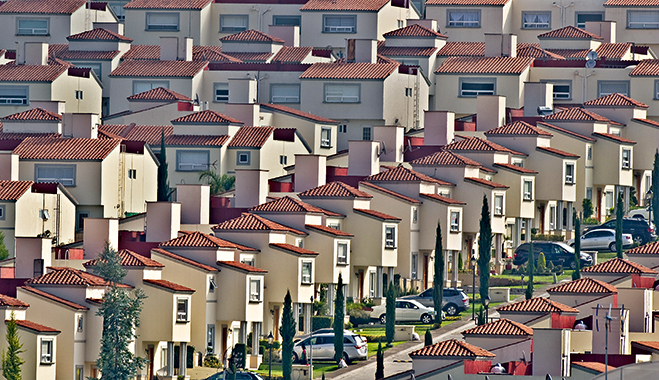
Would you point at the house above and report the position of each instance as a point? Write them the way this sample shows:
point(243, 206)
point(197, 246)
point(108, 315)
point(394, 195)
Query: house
point(504, 338)
point(470, 20)
point(230, 16)
point(157, 106)
point(540, 312)
point(584, 293)
point(635, 20)
point(447, 352)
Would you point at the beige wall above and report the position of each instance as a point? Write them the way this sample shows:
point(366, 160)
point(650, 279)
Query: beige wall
point(200, 20)
point(492, 21)
point(160, 310)
point(328, 266)
point(122, 88)
point(613, 173)
point(516, 206)
point(64, 89)
point(252, 10)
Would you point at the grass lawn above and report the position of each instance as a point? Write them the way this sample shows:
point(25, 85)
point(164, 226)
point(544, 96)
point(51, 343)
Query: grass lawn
point(373, 347)
point(379, 330)
point(318, 368)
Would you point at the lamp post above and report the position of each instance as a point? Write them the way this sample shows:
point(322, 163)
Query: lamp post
point(486, 303)
point(270, 341)
point(473, 288)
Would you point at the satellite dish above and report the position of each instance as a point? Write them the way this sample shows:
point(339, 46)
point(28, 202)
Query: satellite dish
point(590, 64)
point(592, 55)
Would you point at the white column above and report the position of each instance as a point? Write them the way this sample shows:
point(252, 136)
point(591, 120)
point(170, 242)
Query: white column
point(454, 274)
point(560, 223)
point(527, 236)
point(378, 280)
point(242, 338)
point(170, 359)
point(308, 307)
point(183, 358)
point(256, 336)
point(331, 294)
point(296, 315)
point(390, 274)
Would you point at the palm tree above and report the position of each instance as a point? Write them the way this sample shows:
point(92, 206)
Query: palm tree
point(218, 183)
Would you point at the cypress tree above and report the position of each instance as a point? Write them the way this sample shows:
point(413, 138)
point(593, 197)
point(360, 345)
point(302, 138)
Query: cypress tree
point(438, 278)
point(530, 269)
point(428, 338)
point(287, 331)
point(577, 250)
point(4, 253)
point(379, 366)
point(655, 189)
point(11, 362)
point(484, 249)
point(339, 315)
point(390, 322)
point(163, 183)
point(619, 215)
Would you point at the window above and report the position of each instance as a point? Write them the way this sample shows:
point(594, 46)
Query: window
point(233, 23)
point(408, 92)
point(211, 284)
point(287, 20)
point(325, 138)
point(79, 94)
point(306, 272)
point(455, 221)
point(607, 87)
point(191, 160)
point(285, 93)
point(80, 323)
point(608, 199)
point(37, 267)
point(2, 212)
point(342, 93)
point(656, 90)
point(536, 20)
point(64, 174)
point(552, 217)
point(464, 19)
point(415, 266)
point(472, 87)
point(528, 190)
point(582, 17)
point(415, 215)
point(498, 205)
point(79, 372)
point(336, 226)
point(143, 86)
point(648, 184)
point(162, 21)
point(342, 253)
point(409, 62)
point(299, 243)
point(13, 95)
point(255, 290)
point(518, 163)
point(366, 134)
point(46, 351)
point(643, 19)
point(81, 220)
point(221, 91)
point(589, 154)
point(282, 160)
point(210, 339)
point(343, 128)
point(589, 193)
point(569, 174)
point(248, 261)
point(132, 173)
point(340, 24)
point(562, 89)
point(390, 237)
point(371, 284)
point(626, 158)
point(400, 24)
point(181, 310)
point(32, 27)
point(243, 158)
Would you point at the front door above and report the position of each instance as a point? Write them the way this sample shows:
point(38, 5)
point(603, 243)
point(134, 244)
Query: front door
point(360, 285)
point(225, 341)
point(276, 323)
point(149, 374)
point(425, 271)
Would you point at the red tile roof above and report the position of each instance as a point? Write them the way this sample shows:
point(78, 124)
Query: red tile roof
point(648, 121)
point(130, 259)
point(615, 100)
point(537, 305)
point(647, 344)
point(402, 174)
point(196, 140)
point(23, 136)
point(631, 3)
point(477, 144)
point(206, 117)
point(389, 192)
point(11, 301)
point(251, 137)
point(210, 53)
point(647, 67)
point(292, 54)
point(290, 204)
point(517, 128)
point(37, 148)
point(453, 348)
point(160, 93)
point(67, 54)
point(251, 36)
point(619, 266)
point(302, 114)
point(577, 114)
point(34, 114)
point(13, 190)
point(462, 49)
point(651, 248)
point(250, 57)
point(516, 168)
point(566, 131)
point(182, 259)
point(159, 69)
point(42, 6)
point(534, 50)
point(595, 366)
point(140, 52)
point(584, 285)
point(485, 65)
point(442, 198)
point(169, 286)
point(570, 53)
point(411, 51)
point(414, 30)
point(201, 240)
point(557, 152)
point(34, 326)
point(502, 326)
point(468, 2)
point(613, 50)
point(150, 134)
point(167, 4)
point(569, 32)
point(334, 190)
point(485, 182)
point(445, 158)
point(54, 298)
point(30, 73)
point(98, 34)
point(253, 222)
point(609, 136)
point(344, 5)
point(376, 214)
point(70, 276)
point(294, 248)
point(349, 71)
point(328, 230)
point(241, 266)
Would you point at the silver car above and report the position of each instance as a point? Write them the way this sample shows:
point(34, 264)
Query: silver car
point(602, 239)
point(321, 347)
point(406, 311)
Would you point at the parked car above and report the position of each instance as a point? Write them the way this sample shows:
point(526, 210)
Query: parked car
point(640, 229)
point(602, 239)
point(322, 347)
point(558, 253)
point(406, 311)
point(454, 300)
point(323, 331)
point(240, 375)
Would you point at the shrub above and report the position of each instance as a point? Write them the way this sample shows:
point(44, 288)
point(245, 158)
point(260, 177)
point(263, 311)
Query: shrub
point(587, 206)
point(320, 308)
point(359, 316)
point(320, 322)
point(548, 237)
point(590, 221)
point(542, 263)
point(212, 362)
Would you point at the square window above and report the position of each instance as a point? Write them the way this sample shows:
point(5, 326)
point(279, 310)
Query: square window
point(325, 138)
point(342, 253)
point(589, 193)
point(283, 159)
point(132, 173)
point(13, 95)
point(64, 174)
point(582, 17)
point(221, 91)
point(562, 89)
point(366, 134)
point(390, 237)
point(47, 351)
point(79, 94)
point(32, 27)
point(306, 272)
point(464, 19)
point(643, 19)
point(569, 174)
point(472, 87)
point(336, 226)
point(287, 20)
point(607, 87)
point(255, 290)
point(339, 24)
point(528, 190)
point(536, 20)
point(181, 310)
point(343, 128)
point(408, 91)
point(626, 158)
point(243, 158)
point(192, 161)
point(233, 23)
point(455, 221)
point(144, 86)
point(162, 21)
point(284, 93)
point(342, 93)
point(498, 205)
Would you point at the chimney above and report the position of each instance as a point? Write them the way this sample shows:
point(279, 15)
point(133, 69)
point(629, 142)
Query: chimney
point(439, 128)
point(185, 49)
point(251, 187)
point(290, 34)
point(363, 157)
point(361, 50)
point(36, 53)
point(81, 125)
point(8, 166)
point(242, 90)
point(163, 221)
point(168, 48)
point(195, 203)
point(247, 113)
point(604, 29)
point(97, 231)
point(426, 23)
point(537, 94)
point(500, 45)
point(28, 250)
point(490, 112)
point(310, 171)
point(393, 142)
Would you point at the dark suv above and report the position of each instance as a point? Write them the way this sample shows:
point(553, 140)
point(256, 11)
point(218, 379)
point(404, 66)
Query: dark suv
point(558, 253)
point(638, 228)
point(453, 300)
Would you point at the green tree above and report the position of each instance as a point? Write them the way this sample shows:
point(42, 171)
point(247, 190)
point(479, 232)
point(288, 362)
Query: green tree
point(530, 269)
point(620, 210)
point(577, 250)
point(379, 366)
point(287, 331)
point(218, 183)
point(4, 253)
point(587, 206)
point(438, 277)
point(163, 182)
point(633, 199)
point(484, 249)
point(655, 189)
point(390, 319)
point(11, 361)
point(121, 317)
point(427, 338)
point(339, 316)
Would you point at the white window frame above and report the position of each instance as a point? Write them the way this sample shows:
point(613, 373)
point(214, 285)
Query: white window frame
point(46, 351)
point(325, 137)
point(643, 24)
point(32, 31)
point(12, 97)
point(306, 279)
point(498, 205)
point(149, 26)
point(248, 261)
point(234, 28)
point(455, 221)
point(371, 284)
point(600, 83)
point(561, 95)
point(472, 93)
point(335, 93)
point(528, 193)
point(220, 87)
point(463, 23)
point(343, 128)
point(415, 215)
point(70, 182)
point(582, 25)
point(284, 98)
point(80, 324)
point(241, 155)
point(552, 217)
point(342, 253)
point(414, 267)
point(351, 19)
point(283, 159)
point(182, 316)
point(569, 177)
point(152, 84)
point(254, 284)
point(536, 24)
point(626, 156)
point(183, 166)
point(276, 20)
point(212, 285)
point(210, 339)
point(390, 242)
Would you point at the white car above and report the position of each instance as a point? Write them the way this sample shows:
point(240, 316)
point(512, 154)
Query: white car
point(602, 239)
point(406, 311)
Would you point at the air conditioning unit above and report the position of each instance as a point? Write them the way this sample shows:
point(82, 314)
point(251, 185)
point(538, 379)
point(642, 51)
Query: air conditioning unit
point(545, 110)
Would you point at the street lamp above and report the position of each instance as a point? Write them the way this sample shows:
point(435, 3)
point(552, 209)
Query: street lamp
point(486, 303)
point(473, 288)
point(270, 341)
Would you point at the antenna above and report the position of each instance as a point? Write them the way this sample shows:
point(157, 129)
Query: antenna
point(196, 99)
point(523, 358)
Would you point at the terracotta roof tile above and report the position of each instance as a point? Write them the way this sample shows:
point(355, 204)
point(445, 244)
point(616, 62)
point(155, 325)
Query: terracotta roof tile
point(23, 135)
point(615, 100)
point(647, 344)
point(484, 65)
point(98, 34)
point(516, 168)
point(159, 69)
point(140, 52)
point(445, 158)
point(402, 174)
point(569, 32)
point(557, 152)
point(196, 140)
point(468, 2)
point(631, 3)
point(566, 131)
point(251, 57)
point(42, 6)
point(647, 67)
point(501, 326)
point(485, 182)
point(462, 49)
point(653, 123)
point(292, 54)
point(201, 240)
point(328, 230)
point(517, 128)
point(334, 190)
point(534, 50)
point(537, 305)
point(241, 266)
point(160, 93)
point(442, 198)
point(651, 248)
point(253, 222)
point(290, 204)
point(293, 111)
point(34, 114)
point(294, 248)
point(70, 276)
point(584, 285)
point(344, 5)
point(251, 35)
point(570, 53)
point(54, 298)
point(11, 301)
point(36, 148)
point(414, 30)
point(349, 71)
point(613, 50)
point(452, 348)
point(167, 4)
point(206, 117)
point(169, 286)
point(150, 134)
point(211, 54)
point(182, 259)
point(411, 51)
point(389, 192)
point(251, 137)
point(619, 266)
point(477, 144)
point(87, 54)
point(130, 259)
point(34, 326)
point(13, 190)
point(595, 366)
point(614, 138)
point(577, 114)
point(30, 73)
point(376, 214)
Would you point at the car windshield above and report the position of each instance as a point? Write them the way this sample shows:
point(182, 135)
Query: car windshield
point(566, 247)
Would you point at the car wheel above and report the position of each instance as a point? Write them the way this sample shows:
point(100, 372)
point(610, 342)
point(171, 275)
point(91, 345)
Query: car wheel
point(638, 239)
point(346, 358)
point(426, 319)
point(295, 358)
point(383, 319)
point(451, 309)
point(612, 247)
point(573, 264)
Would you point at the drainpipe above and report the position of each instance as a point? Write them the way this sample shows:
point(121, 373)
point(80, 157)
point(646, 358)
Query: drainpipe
point(562, 8)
